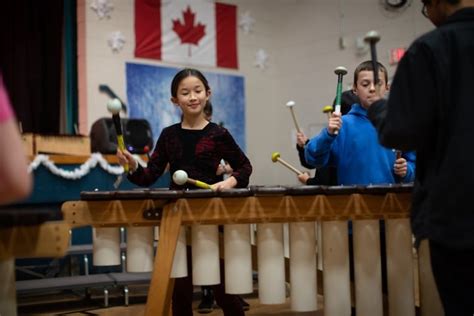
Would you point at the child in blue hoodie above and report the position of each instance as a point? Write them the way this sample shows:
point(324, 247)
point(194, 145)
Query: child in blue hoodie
point(355, 150)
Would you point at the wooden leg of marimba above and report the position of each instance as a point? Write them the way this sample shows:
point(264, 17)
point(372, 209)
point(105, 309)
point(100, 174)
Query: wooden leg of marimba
point(7, 287)
point(430, 303)
point(367, 267)
point(161, 286)
point(400, 275)
point(336, 281)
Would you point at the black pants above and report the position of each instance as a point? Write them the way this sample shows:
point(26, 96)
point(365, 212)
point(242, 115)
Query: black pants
point(453, 271)
point(182, 300)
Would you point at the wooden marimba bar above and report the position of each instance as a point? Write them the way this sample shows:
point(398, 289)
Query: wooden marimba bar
point(332, 206)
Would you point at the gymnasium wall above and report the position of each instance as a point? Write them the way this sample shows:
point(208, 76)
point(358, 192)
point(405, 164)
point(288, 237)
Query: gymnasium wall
point(303, 41)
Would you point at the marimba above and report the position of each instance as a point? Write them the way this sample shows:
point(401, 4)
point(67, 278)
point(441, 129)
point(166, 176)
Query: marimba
point(269, 207)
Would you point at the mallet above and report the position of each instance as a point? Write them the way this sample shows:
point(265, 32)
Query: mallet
point(327, 109)
point(398, 154)
point(276, 157)
point(340, 72)
point(290, 105)
point(114, 106)
point(180, 177)
point(372, 37)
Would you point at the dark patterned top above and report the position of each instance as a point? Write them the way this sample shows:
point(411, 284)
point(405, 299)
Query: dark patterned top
point(198, 152)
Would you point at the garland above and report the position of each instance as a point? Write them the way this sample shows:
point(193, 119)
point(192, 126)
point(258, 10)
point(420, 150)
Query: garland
point(80, 171)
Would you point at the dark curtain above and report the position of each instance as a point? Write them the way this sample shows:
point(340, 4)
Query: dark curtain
point(31, 35)
point(70, 115)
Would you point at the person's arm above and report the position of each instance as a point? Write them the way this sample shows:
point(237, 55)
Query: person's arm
point(15, 181)
point(411, 162)
point(318, 150)
point(242, 169)
point(304, 177)
point(303, 162)
point(224, 169)
point(301, 141)
point(156, 165)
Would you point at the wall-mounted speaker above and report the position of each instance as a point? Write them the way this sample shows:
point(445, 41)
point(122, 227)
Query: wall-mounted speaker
point(137, 135)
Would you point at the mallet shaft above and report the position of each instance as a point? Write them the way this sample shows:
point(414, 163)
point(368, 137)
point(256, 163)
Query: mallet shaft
point(372, 38)
point(375, 66)
point(199, 184)
point(294, 120)
point(120, 140)
point(398, 154)
point(289, 166)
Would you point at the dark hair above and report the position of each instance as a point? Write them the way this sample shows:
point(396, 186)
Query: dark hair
point(348, 98)
point(187, 72)
point(367, 65)
point(208, 109)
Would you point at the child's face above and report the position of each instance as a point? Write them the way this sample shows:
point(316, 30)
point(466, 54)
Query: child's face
point(364, 88)
point(191, 96)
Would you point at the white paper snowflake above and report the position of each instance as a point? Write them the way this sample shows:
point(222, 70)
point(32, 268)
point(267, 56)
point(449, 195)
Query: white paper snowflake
point(261, 58)
point(102, 8)
point(246, 22)
point(116, 41)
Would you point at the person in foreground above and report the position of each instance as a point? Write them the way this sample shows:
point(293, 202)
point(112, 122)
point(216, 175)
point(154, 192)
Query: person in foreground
point(15, 181)
point(430, 110)
point(196, 146)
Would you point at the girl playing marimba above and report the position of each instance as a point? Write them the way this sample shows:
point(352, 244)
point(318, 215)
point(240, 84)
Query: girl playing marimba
point(196, 146)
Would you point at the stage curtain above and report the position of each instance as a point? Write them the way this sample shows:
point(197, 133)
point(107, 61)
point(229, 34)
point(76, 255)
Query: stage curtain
point(31, 37)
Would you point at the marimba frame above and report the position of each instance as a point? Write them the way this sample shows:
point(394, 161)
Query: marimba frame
point(215, 209)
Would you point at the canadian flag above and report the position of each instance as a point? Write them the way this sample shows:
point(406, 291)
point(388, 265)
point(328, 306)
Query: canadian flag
point(198, 32)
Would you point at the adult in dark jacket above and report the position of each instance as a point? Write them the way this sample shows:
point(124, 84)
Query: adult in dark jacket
point(430, 110)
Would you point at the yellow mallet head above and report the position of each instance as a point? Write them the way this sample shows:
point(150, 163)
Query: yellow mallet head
point(275, 156)
point(327, 109)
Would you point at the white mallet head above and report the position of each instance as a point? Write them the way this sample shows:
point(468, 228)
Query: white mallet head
point(341, 70)
point(180, 177)
point(372, 37)
point(114, 106)
point(290, 104)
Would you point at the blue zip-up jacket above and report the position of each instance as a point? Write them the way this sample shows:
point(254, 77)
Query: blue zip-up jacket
point(357, 153)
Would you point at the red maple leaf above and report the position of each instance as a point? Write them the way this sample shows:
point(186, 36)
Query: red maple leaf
point(188, 32)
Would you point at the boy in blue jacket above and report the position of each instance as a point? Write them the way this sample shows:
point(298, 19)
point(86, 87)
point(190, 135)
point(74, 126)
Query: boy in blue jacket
point(355, 149)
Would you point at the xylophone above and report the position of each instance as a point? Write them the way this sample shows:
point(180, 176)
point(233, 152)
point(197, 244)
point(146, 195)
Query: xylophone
point(270, 207)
